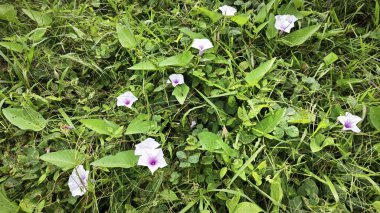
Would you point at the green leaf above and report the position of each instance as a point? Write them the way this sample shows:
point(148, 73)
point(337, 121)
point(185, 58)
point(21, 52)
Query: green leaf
point(125, 159)
point(376, 205)
point(233, 202)
point(190, 33)
point(180, 60)
point(145, 65)
point(65, 159)
point(7, 206)
point(194, 159)
point(8, 13)
point(257, 74)
point(209, 141)
point(298, 37)
point(100, 126)
point(240, 19)
point(276, 190)
point(292, 131)
point(269, 123)
point(26, 118)
point(14, 46)
point(245, 207)
point(302, 117)
point(168, 195)
point(330, 58)
point(42, 19)
point(319, 142)
point(125, 36)
point(141, 124)
point(210, 14)
point(261, 15)
point(271, 31)
point(180, 92)
point(181, 155)
point(374, 116)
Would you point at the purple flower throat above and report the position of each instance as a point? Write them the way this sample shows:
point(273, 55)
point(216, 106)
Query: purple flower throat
point(153, 162)
point(348, 124)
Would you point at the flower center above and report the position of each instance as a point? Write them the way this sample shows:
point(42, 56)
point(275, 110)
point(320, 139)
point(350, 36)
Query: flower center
point(176, 81)
point(153, 162)
point(348, 124)
point(127, 102)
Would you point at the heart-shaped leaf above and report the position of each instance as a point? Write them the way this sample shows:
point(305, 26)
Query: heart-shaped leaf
point(125, 159)
point(25, 118)
point(65, 159)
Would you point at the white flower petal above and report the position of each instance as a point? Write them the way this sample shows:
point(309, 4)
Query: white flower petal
point(342, 119)
point(78, 181)
point(227, 10)
point(285, 23)
point(153, 159)
point(202, 44)
point(147, 144)
point(176, 79)
point(126, 99)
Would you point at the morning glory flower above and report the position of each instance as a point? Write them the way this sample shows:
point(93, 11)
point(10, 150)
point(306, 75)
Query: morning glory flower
point(147, 144)
point(176, 79)
point(153, 159)
point(126, 99)
point(285, 22)
point(202, 44)
point(227, 10)
point(78, 181)
point(349, 122)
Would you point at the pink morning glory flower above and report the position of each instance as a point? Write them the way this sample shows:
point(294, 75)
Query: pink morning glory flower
point(147, 144)
point(202, 44)
point(126, 99)
point(227, 10)
point(285, 23)
point(153, 159)
point(176, 79)
point(78, 181)
point(349, 122)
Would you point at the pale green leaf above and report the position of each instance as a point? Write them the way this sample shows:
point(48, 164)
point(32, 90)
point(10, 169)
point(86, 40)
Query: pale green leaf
point(190, 33)
point(214, 16)
point(7, 206)
point(8, 13)
point(374, 116)
point(124, 159)
point(144, 65)
point(245, 207)
point(276, 191)
point(42, 18)
point(141, 124)
point(271, 31)
point(101, 126)
point(257, 74)
point(25, 118)
point(298, 37)
point(65, 159)
point(330, 58)
point(209, 141)
point(302, 117)
point(180, 92)
point(168, 195)
point(269, 123)
point(14, 46)
point(180, 60)
point(125, 36)
point(240, 19)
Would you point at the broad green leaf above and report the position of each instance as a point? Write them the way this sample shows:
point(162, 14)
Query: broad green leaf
point(211, 14)
point(269, 123)
point(65, 159)
point(101, 126)
point(190, 33)
point(276, 190)
point(141, 124)
point(261, 15)
point(145, 65)
point(298, 37)
point(376, 205)
point(37, 34)
point(7, 206)
point(233, 202)
point(42, 19)
point(125, 36)
point(319, 141)
point(330, 58)
point(25, 118)
point(257, 74)
point(298, 3)
point(209, 141)
point(180, 92)
point(374, 116)
point(14, 46)
point(125, 159)
point(178, 60)
point(292, 131)
point(168, 195)
point(271, 32)
point(247, 207)
point(302, 117)
point(240, 19)
point(8, 13)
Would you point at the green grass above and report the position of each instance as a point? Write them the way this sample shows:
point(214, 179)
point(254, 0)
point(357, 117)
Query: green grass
point(67, 63)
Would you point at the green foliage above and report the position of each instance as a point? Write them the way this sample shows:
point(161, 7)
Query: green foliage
point(126, 37)
point(298, 37)
point(65, 159)
point(25, 118)
point(8, 13)
point(125, 159)
point(180, 92)
point(180, 60)
point(103, 127)
point(257, 74)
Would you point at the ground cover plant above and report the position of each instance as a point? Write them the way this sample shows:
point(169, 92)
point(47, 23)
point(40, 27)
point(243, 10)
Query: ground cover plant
point(189, 106)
